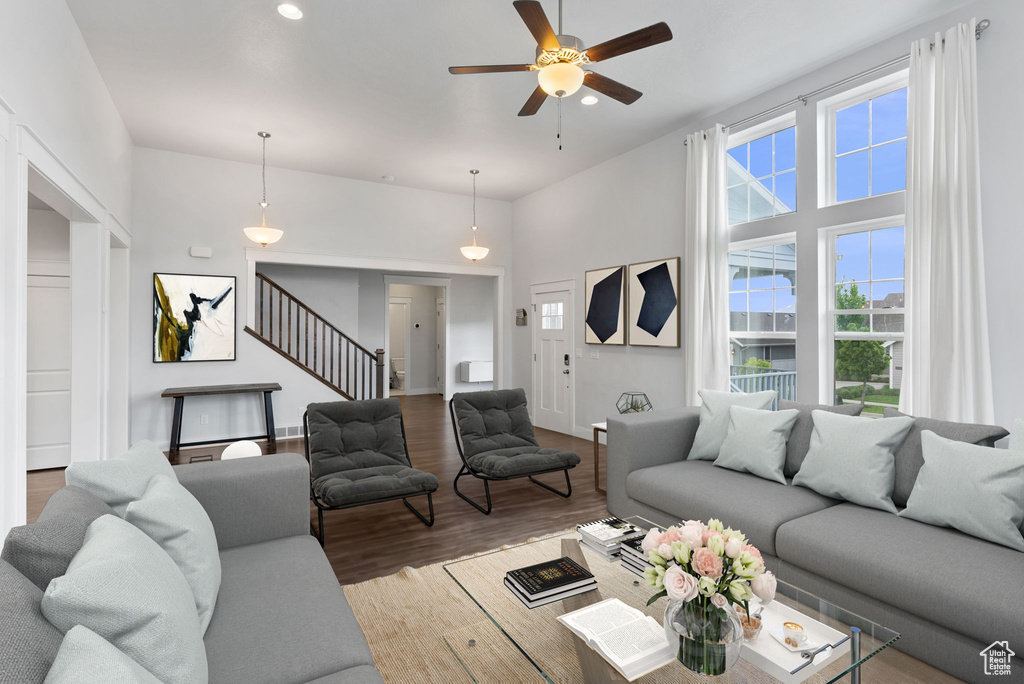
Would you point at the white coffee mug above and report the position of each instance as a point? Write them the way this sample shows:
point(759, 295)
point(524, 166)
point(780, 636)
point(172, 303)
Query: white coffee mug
point(794, 633)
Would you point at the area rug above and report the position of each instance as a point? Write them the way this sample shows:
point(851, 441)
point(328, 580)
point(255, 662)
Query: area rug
point(419, 623)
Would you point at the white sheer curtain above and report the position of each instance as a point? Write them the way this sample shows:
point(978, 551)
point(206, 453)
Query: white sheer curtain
point(705, 265)
point(947, 372)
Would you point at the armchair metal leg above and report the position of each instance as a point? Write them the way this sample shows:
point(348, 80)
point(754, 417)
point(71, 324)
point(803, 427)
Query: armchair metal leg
point(430, 503)
point(487, 492)
point(568, 484)
point(319, 532)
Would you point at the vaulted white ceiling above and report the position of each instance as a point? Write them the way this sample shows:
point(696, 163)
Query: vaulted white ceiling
point(361, 89)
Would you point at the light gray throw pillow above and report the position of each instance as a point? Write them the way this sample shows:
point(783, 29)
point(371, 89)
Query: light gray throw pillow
point(87, 658)
point(121, 480)
point(174, 519)
point(975, 489)
point(756, 442)
point(800, 437)
point(125, 588)
point(714, 419)
point(852, 458)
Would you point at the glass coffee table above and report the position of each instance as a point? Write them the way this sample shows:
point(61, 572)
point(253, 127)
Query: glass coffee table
point(554, 654)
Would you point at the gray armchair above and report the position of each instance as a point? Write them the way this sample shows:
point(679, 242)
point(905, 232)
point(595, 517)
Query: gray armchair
point(357, 456)
point(495, 439)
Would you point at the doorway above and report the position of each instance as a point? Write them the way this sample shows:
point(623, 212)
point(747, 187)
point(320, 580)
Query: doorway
point(48, 353)
point(399, 343)
point(442, 345)
point(553, 339)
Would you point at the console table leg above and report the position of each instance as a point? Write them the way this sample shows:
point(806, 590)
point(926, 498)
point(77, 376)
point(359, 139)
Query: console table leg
point(855, 655)
point(268, 406)
point(179, 405)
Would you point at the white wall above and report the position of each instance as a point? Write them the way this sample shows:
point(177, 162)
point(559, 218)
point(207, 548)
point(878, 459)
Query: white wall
point(421, 357)
point(182, 200)
point(53, 104)
point(630, 209)
point(471, 327)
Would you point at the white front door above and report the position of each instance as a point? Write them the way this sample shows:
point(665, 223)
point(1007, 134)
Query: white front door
point(552, 361)
point(48, 406)
point(441, 344)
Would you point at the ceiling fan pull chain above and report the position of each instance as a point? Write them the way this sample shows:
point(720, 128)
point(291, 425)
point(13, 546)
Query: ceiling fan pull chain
point(559, 124)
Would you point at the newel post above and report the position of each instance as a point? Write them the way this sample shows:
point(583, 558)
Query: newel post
point(380, 374)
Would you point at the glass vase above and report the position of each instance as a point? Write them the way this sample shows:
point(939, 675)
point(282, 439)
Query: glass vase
point(709, 638)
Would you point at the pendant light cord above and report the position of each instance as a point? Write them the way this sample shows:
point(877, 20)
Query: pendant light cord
point(474, 204)
point(264, 203)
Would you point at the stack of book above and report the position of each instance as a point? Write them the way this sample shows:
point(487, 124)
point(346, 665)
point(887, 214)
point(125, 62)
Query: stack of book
point(605, 536)
point(633, 557)
point(550, 581)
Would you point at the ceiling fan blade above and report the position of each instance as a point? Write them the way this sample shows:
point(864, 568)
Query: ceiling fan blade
point(613, 89)
point(637, 40)
point(535, 20)
point(489, 69)
point(533, 104)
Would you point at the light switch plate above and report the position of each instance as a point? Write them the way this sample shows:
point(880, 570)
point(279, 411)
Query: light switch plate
point(594, 354)
point(579, 353)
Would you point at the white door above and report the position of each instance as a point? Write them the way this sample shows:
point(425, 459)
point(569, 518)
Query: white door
point(552, 361)
point(48, 404)
point(441, 344)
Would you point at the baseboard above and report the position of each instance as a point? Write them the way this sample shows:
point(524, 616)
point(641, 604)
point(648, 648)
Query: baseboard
point(426, 390)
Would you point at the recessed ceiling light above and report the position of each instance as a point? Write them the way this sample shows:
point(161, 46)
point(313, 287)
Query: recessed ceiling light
point(289, 11)
point(588, 100)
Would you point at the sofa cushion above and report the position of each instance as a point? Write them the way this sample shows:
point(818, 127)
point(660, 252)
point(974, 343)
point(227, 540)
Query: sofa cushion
point(28, 642)
point(971, 586)
point(349, 435)
point(977, 490)
point(174, 519)
point(372, 484)
point(43, 550)
point(714, 419)
point(521, 460)
point(123, 479)
point(361, 674)
point(124, 587)
point(756, 442)
point(909, 458)
point(87, 658)
point(493, 420)
point(281, 617)
point(698, 490)
point(800, 437)
point(852, 458)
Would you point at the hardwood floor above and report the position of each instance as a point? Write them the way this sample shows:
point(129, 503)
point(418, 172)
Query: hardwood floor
point(371, 541)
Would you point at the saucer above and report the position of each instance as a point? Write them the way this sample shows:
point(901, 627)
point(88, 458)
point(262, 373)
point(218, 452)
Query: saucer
point(810, 645)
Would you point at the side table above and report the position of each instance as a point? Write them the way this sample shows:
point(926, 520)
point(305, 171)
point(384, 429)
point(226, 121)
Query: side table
point(598, 427)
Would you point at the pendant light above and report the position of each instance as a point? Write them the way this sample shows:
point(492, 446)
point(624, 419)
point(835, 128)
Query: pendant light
point(474, 252)
point(261, 234)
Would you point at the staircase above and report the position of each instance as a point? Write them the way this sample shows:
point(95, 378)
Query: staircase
point(299, 334)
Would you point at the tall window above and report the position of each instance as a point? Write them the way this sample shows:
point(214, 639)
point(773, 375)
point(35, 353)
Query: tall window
point(762, 317)
point(866, 312)
point(761, 171)
point(864, 141)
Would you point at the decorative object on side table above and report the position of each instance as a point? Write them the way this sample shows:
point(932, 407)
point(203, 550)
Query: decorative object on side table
point(194, 317)
point(654, 303)
point(633, 402)
point(705, 570)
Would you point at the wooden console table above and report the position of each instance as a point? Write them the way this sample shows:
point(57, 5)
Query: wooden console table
point(179, 394)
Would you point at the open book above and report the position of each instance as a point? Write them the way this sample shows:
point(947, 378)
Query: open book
point(631, 642)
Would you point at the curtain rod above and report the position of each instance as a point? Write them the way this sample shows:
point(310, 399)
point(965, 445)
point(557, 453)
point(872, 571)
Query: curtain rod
point(802, 99)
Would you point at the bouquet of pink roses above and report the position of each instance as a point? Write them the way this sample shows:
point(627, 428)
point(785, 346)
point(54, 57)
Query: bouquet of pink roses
point(704, 569)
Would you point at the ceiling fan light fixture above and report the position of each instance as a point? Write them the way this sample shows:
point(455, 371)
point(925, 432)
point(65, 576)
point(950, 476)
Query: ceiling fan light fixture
point(560, 79)
point(588, 100)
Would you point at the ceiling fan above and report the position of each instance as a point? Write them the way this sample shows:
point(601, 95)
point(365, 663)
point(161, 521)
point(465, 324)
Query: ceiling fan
point(561, 58)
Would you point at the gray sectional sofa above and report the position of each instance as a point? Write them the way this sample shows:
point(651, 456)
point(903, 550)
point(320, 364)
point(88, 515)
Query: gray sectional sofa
point(281, 616)
point(949, 594)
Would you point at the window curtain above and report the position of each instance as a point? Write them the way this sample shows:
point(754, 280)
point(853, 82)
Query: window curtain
point(947, 372)
point(706, 245)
